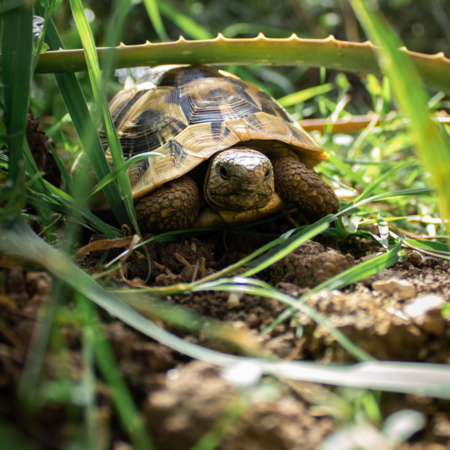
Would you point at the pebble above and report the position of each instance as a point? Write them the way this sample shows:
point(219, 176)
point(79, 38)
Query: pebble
point(400, 289)
point(425, 311)
point(233, 300)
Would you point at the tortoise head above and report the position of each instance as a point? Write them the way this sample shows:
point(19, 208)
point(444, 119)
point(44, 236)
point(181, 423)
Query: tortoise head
point(239, 179)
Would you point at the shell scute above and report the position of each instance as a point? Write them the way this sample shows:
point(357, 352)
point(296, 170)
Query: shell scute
point(213, 100)
point(188, 113)
point(151, 122)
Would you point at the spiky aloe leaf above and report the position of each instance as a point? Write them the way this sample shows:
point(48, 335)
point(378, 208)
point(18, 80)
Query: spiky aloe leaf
point(329, 52)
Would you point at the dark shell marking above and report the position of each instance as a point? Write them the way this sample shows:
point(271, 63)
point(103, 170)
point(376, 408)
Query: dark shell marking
point(188, 113)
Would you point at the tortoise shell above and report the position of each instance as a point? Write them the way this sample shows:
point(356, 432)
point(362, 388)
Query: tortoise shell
point(188, 113)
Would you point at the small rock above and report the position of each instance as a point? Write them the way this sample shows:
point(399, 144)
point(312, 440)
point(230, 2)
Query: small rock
point(400, 289)
point(233, 300)
point(425, 311)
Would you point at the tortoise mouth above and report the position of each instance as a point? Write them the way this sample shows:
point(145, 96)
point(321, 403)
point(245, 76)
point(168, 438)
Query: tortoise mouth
point(239, 180)
point(239, 202)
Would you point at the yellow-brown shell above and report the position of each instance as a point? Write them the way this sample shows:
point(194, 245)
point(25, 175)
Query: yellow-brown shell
point(188, 113)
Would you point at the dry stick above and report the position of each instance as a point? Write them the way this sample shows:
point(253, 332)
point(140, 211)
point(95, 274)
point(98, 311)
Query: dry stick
point(194, 275)
point(351, 123)
point(202, 267)
point(162, 268)
point(182, 259)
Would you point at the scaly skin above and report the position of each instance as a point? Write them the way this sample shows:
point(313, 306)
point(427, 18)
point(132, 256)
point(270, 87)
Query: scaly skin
point(174, 206)
point(303, 188)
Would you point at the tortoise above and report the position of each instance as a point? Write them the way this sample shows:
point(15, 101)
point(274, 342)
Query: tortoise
point(230, 153)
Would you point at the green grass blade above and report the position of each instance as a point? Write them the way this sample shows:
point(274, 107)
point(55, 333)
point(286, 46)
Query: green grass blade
point(16, 49)
point(347, 170)
point(122, 168)
point(89, 381)
point(429, 245)
point(114, 32)
point(190, 27)
point(28, 386)
point(64, 202)
point(387, 195)
point(306, 94)
point(96, 83)
point(372, 187)
point(411, 97)
point(63, 170)
point(127, 411)
point(37, 50)
point(76, 105)
point(65, 207)
point(153, 13)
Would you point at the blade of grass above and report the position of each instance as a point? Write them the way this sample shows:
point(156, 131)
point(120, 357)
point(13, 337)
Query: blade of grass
point(65, 208)
point(129, 415)
point(428, 379)
point(306, 94)
point(64, 201)
point(121, 169)
point(434, 246)
point(63, 170)
point(16, 49)
point(114, 32)
point(49, 6)
point(94, 74)
point(346, 169)
point(28, 385)
point(153, 13)
point(89, 385)
point(189, 26)
point(372, 187)
point(387, 195)
point(76, 105)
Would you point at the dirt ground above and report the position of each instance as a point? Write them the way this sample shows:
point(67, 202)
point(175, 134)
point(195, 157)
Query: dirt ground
point(394, 315)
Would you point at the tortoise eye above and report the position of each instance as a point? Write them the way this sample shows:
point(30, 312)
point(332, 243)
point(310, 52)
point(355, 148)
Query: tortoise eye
point(223, 172)
point(267, 174)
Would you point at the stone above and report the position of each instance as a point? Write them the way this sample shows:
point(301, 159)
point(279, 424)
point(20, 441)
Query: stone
point(425, 311)
point(400, 289)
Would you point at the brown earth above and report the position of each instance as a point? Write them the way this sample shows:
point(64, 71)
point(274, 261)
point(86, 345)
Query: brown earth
point(385, 314)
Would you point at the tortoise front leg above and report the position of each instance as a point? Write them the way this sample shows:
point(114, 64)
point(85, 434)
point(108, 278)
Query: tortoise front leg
point(173, 206)
point(301, 187)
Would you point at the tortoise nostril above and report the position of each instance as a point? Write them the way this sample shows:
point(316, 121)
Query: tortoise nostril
point(223, 172)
